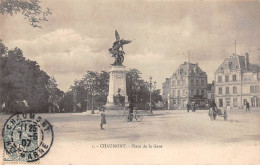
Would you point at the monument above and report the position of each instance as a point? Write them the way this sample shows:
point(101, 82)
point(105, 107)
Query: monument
point(117, 96)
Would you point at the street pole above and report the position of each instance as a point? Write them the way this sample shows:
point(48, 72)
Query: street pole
point(87, 103)
point(151, 111)
point(92, 102)
point(74, 102)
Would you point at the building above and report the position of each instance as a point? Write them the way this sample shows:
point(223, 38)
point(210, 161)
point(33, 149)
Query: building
point(236, 82)
point(187, 84)
point(210, 92)
point(166, 93)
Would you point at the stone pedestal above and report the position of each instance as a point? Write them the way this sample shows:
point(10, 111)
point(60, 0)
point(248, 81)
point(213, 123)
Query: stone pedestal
point(117, 81)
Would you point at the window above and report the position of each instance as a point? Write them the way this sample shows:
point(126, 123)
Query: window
point(179, 93)
point(257, 88)
point(197, 92)
point(173, 83)
point(235, 102)
point(174, 101)
point(192, 82)
point(220, 102)
point(220, 90)
point(245, 100)
point(226, 78)
point(183, 92)
point(227, 90)
point(234, 90)
point(192, 92)
point(252, 89)
point(202, 92)
point(202, 82)
point(234, 77)
point(196, 70)
point(219, 78)
point(178, 82)
point(181, 71)
point(173, 93)
point(253, 102)
point(212, 96)
point(228, 102)
point(197, 82)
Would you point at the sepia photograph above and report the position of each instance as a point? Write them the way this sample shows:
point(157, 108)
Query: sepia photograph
point(119, 82)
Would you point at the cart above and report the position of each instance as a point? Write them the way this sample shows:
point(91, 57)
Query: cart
point(214, 112)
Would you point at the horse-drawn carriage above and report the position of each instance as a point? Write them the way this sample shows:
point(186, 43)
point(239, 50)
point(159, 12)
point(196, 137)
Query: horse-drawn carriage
point(214, 112)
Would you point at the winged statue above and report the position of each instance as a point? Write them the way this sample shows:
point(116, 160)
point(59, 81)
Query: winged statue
point(117, 49)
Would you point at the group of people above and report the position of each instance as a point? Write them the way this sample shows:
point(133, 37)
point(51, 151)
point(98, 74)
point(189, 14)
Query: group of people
point(212, 104)
point(192, 107)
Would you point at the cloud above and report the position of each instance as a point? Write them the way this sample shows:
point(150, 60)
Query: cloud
point(162, 33)
point(65, 54)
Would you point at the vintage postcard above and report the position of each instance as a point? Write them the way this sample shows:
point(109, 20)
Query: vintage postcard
point(141, 82)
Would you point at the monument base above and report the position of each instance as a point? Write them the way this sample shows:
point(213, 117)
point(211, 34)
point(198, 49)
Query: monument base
point(117, 88)
point(111, 106)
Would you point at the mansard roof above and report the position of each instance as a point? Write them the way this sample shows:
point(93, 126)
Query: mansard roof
point(188, 68)
point(237, 62)
point(234, 62)
point(231, 63)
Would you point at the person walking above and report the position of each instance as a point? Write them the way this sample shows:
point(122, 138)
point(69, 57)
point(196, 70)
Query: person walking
point(188, 107)
point(193, 106)
point(103, 119)
point(247, 106)
point(212, 106)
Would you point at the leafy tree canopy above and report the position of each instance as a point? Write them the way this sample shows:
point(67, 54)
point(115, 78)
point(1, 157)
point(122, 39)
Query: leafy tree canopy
point(31, 9)
point(22, 79)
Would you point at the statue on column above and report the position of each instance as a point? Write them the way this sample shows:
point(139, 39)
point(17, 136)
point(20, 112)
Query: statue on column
point(117, 50)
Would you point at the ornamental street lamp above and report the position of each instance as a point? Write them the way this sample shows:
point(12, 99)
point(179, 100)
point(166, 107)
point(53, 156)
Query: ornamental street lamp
point(136, 88)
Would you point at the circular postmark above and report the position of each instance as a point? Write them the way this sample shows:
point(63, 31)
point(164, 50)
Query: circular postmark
point(27, 137)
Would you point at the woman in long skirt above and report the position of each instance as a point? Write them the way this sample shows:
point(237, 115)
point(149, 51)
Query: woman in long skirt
point(103, 119)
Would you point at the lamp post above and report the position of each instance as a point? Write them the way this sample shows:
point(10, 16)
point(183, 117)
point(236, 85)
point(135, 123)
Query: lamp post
point(152, 86)
point(90, 86)
point(74, 101)
point(137, 88)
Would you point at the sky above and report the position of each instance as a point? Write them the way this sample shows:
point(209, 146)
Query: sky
point(77, 36)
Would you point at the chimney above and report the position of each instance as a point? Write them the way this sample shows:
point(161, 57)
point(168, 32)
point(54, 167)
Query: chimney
point(247, 61)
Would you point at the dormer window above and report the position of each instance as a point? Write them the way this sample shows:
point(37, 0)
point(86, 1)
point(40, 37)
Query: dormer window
point(229, 64)
point(196, 70)
point(181, 71)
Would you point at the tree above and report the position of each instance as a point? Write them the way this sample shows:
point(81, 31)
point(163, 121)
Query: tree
point(156, 96)
point(133, 84)
point(66, 103)
point(91, 90)
point(138, 90)
point(55, 95)
point(22, 79)
point(31, 10)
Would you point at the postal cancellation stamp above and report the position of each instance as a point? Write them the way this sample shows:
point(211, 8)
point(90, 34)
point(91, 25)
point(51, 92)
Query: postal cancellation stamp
point(26, 137)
